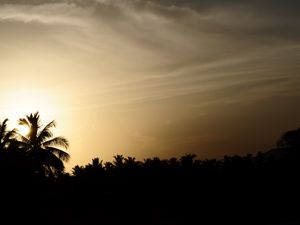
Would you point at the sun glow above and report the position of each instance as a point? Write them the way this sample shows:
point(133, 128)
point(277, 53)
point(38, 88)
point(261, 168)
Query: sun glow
point(23, 130)
point(18, 104)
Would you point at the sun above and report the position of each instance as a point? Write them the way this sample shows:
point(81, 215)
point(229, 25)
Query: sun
point(23, 130)
point(21, 102)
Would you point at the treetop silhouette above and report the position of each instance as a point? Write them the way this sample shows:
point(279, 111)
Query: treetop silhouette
point(39, 149)
point(185, 190)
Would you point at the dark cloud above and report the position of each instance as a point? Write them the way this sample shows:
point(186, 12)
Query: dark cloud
point(266, 5)
point(253, 21)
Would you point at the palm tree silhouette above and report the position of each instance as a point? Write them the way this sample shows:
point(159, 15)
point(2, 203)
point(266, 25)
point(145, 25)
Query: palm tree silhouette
point(187, 160)
point(130, 162)
point(42, 147)
point(119, 161)
point(5, 136)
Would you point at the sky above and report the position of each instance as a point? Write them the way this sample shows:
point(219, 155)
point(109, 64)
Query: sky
point(149, 78)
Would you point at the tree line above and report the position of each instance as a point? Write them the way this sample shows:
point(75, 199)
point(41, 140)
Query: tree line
point(257, 188)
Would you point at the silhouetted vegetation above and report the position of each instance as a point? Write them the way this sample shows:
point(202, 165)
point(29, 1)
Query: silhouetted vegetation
point(250, 189)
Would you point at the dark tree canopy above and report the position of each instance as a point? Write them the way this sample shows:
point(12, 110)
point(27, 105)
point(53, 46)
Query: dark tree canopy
point(290, 140)
point(236, 189)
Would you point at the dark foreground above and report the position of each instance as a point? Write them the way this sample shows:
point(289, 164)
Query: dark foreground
point(240, 190)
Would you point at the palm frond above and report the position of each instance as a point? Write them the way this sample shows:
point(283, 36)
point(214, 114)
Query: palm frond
point(14, 132)
point(34, 119)
point(3, 128)
point(57, 141)
point(46, 132)
point(20, 137)
point(20, 144)
point(9, 136)
point(24, 122)
point(33, 122)
point(49, 159)
point(59, 153)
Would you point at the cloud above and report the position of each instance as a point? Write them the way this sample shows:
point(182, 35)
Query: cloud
point(252, 21)
point(54, 13)
point(233, 14)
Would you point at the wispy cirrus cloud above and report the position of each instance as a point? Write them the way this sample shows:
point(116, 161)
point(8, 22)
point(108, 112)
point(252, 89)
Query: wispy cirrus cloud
point(47, 13)
point(169, 44)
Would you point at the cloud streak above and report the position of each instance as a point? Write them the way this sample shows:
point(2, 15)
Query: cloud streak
point(176, 42)
point(55, 13)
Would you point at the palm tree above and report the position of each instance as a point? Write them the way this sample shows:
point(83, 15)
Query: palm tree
point(187, 160)
point(42, 148)
point(131, 163)
point(119, 161)
point(12, 160)
point(5, 136)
